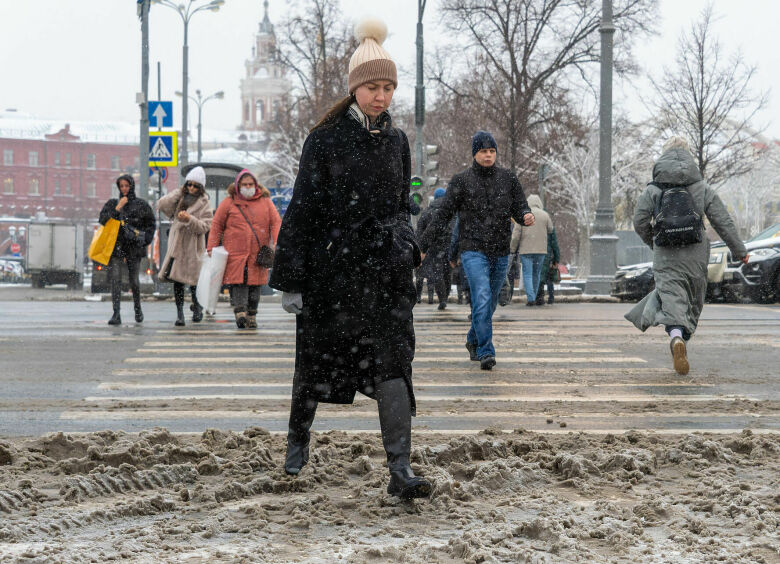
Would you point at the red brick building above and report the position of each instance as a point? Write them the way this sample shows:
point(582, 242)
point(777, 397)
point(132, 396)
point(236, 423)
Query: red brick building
point(63, 172)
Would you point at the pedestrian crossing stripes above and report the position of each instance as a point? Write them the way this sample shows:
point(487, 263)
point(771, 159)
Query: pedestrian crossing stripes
point(577, 374)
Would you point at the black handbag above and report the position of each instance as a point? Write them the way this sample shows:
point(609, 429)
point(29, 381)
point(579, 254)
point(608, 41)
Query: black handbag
point(133, 236)
point(265, 256)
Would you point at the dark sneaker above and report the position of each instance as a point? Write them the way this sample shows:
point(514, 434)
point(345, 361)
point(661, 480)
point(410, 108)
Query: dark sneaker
point(487, 362)
point(472, 348)
point(529, 304)
point(680, 356)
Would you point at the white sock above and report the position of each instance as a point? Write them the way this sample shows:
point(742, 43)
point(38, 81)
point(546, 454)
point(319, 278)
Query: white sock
point(675, 333)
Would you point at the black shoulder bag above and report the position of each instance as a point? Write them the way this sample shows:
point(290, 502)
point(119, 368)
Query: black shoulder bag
point(265, 256)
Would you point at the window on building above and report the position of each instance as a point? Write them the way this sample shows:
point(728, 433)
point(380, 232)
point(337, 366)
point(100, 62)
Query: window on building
point(57, 158)
point(91, 159)
point(67, 159)
point(115, 164)
point(8, 186)
point(34, 187)
point(8, 157)
point(33, 158)
point(57, 186)
point(91, 189)
point(260, 115)
point(67, 186)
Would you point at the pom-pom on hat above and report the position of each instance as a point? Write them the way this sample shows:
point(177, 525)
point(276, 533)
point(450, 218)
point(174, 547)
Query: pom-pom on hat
point(370, 61)
point(197, 175)
point(439, 193)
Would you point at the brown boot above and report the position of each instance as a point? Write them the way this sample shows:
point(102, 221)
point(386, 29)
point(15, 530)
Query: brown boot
point(241, 319)
point(251, 321)
point(680, 356)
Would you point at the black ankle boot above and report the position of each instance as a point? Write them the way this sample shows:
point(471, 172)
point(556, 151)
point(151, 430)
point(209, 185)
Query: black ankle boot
point(178, 297)
point(116, 300)
point(395, 419)
point(139, 315)
point(195, 307)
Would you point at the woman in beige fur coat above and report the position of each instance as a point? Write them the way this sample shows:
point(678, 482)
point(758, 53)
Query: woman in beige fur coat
point(191, 214)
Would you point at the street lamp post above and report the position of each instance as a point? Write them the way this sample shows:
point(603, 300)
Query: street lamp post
point(603, 242)
point(200, 101)
point(186, 11)
point(419, 92)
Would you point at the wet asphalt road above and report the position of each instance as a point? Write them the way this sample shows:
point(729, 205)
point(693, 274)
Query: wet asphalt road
point(569, 367)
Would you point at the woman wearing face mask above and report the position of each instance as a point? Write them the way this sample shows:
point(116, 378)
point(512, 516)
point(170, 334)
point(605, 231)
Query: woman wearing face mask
point(344, 261)
point(244, 222)
point(189, 208)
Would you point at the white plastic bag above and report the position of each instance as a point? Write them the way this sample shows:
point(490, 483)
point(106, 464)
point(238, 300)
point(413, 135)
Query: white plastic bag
point(210, 280)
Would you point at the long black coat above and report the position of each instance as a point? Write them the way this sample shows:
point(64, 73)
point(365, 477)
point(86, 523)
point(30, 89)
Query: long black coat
point(137, 215)
point(347, 246)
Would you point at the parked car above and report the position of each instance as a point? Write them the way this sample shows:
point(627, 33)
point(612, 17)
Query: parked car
point(759, 279)
point(719, 263)
point(633, 282)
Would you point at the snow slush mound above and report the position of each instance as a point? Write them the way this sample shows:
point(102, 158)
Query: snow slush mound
point(497, 497)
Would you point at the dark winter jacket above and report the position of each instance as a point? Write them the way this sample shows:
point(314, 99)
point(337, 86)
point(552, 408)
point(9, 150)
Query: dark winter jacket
point(138, 217)
point(437, 258)
point(347, 246)
point(553, 255)
point(485, 198)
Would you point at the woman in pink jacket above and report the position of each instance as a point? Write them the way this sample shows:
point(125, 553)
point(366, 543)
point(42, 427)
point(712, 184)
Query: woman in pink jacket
point(244, 222)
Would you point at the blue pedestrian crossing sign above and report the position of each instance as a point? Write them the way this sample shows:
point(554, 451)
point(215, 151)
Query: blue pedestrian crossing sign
point(160, 114)
point(163, 148)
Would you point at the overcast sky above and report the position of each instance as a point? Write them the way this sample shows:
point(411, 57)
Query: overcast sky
point(80, 59)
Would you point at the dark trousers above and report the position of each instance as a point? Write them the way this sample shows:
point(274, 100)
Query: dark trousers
point(178, 294)
point(245, 298)
point(550, 292)
point(115, 277)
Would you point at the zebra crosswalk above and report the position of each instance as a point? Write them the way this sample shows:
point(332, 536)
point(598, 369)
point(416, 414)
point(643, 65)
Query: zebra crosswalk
point(575, 377)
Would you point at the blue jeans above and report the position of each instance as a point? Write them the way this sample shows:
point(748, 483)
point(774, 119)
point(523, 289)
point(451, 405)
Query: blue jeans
point(532, 272)
point(486, 276)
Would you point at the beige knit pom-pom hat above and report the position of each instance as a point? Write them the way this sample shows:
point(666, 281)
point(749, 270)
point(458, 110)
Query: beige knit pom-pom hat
point(370, 61)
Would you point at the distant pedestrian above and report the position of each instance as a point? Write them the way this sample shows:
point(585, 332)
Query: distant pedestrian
point(530, 241)
point(344, 261)
point(550, 272)
point(436, 266)
point(672, 206)
point(191, 213)
point(485, 197)
point(458, 274)
point(245, 221)
point(135, 234)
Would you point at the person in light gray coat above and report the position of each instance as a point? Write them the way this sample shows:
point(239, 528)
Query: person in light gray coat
point(680, 272)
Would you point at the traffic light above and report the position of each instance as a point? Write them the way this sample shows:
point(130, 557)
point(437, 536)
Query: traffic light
point(431, 166)
point(417, 186)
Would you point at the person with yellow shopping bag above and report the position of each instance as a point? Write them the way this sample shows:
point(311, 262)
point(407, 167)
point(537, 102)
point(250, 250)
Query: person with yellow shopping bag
point(135, 233)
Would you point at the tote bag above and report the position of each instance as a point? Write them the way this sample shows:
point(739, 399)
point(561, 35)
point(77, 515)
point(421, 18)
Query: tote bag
point(212, 271)
point(103, 242)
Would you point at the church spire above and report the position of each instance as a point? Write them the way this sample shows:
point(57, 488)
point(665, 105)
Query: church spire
point(266, 26)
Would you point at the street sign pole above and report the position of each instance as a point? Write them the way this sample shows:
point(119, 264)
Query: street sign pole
point(143, 171)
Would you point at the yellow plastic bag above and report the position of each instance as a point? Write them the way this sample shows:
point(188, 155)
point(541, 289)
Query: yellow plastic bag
point(103, 241)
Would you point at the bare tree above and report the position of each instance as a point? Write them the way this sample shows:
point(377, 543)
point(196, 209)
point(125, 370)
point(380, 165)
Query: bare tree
point(572, 184)
point(707, 98)
point(315, 46)
point(523, 54)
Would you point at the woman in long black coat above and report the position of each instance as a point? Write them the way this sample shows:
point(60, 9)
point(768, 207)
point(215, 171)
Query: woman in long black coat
point(134, 236)
point(344, 260)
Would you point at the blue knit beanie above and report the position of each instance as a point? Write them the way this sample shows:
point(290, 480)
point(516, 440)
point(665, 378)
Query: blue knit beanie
point(482, 140)
point(438, 193)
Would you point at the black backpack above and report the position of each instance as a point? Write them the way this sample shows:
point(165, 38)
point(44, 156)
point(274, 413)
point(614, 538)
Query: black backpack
point(677, 223)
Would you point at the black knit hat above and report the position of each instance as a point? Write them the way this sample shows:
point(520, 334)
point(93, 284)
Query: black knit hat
point(482, 140)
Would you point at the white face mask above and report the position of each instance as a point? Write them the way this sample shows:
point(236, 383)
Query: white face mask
point(247, 192)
